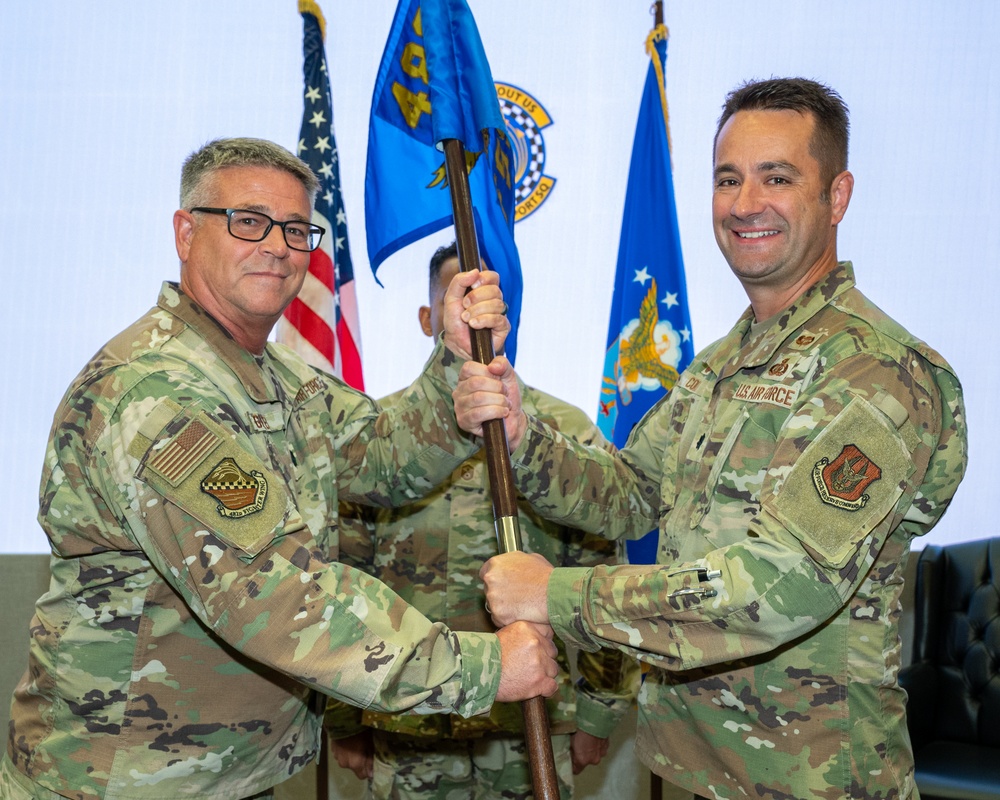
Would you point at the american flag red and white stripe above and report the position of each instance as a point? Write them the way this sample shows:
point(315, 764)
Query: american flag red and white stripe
point(321, 324)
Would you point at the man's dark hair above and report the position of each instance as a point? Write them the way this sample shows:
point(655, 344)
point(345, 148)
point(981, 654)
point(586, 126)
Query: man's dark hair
point(441, 255)
point(829, 140)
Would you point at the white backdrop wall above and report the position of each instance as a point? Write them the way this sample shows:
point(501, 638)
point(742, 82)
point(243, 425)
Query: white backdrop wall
point(100, 103)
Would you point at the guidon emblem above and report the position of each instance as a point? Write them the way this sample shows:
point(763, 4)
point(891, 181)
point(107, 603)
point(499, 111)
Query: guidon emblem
point(843, 481)
point(239, 492)
point(525, 118)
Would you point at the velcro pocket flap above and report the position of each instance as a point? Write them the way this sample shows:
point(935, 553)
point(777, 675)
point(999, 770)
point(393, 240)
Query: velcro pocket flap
point(199, 466)
point(844, 483)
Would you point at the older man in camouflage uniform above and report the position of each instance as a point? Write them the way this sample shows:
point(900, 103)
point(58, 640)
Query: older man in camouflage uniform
point(430, 553)
point(788, 472)
point(190, 497)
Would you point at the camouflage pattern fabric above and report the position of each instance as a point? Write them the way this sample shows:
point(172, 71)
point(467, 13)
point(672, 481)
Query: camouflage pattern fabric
point(442, 769)
point(16, 786)
point(430, 553)
point(789, 470)
point(190, 496)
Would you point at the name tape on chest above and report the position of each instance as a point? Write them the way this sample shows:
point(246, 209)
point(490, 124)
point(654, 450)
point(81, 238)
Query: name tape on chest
point(773, 394)
point(309, 390)
point(258, 422)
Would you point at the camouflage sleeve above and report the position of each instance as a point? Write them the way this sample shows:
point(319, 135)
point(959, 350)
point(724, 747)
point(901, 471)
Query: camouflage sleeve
point(609, 679)
point(341, 719)
point(591, 488)
point(356, 549)
point(394, 456)
point(608, 683)
point(805, 552)
point(257, 581)
point(356, 536)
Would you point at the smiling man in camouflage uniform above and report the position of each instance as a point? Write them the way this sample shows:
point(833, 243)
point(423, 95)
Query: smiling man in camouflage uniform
point(430, 552)
point(190, 497)
point(788, 471)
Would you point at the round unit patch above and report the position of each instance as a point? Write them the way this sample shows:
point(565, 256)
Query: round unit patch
point(526, 118)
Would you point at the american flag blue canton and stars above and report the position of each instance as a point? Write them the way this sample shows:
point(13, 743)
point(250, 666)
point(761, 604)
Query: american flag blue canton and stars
point(321, 324)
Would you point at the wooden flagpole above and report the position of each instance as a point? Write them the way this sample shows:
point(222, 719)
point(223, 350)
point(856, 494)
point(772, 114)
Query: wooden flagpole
point(536, 721)
point(655, 781)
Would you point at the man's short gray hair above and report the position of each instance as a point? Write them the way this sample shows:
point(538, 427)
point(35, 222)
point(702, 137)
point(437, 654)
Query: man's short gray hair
point(241, 152)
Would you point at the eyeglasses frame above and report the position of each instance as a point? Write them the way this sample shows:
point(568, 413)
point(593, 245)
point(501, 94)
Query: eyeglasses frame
point(228, 212)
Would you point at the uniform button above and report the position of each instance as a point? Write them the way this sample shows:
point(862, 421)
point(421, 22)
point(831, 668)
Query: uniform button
point(467, 473)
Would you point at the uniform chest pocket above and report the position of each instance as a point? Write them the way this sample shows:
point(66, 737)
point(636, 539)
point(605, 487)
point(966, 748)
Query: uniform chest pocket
point(730, 496)
point(312, 451)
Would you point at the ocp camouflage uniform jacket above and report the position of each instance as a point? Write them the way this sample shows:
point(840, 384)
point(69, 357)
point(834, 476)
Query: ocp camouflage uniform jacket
point(788, 471)
point(430, 553)
point(190, 495)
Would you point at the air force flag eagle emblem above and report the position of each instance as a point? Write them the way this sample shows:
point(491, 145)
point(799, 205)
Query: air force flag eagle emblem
point(649, 351)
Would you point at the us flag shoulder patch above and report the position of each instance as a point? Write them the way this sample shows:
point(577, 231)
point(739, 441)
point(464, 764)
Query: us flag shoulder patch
point(175, 461)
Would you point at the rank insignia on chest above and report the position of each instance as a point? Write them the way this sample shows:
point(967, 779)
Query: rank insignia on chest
point(239, 492)
point(843, 481)
point(804, 340)
point(779, 369)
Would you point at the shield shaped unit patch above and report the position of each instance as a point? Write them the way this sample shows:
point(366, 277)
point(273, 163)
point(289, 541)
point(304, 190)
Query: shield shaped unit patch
point(843, 481)
point(239, 492)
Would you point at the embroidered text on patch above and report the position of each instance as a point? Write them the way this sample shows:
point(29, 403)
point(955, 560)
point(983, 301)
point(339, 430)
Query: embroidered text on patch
point(842, 482)
point(692, 383)
point(310, 389)
point(239, 493)
point(258, 422)
point(777, 395)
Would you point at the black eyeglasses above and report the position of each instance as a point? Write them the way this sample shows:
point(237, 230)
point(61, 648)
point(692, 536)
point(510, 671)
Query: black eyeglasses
point(252, 226)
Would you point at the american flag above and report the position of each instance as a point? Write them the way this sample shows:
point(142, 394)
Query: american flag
point(321, 324)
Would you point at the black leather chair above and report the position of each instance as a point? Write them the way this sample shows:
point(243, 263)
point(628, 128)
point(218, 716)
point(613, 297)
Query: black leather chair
point(953, 682)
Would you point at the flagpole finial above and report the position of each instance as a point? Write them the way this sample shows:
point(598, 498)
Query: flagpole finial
point(312, 7)
point(657, 11)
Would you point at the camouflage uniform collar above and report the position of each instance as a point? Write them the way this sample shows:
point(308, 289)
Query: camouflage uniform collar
point(758, 349)
point(240, 360)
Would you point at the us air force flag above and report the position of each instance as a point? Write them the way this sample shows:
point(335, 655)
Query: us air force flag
point(434, 83)
point(649, 332)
